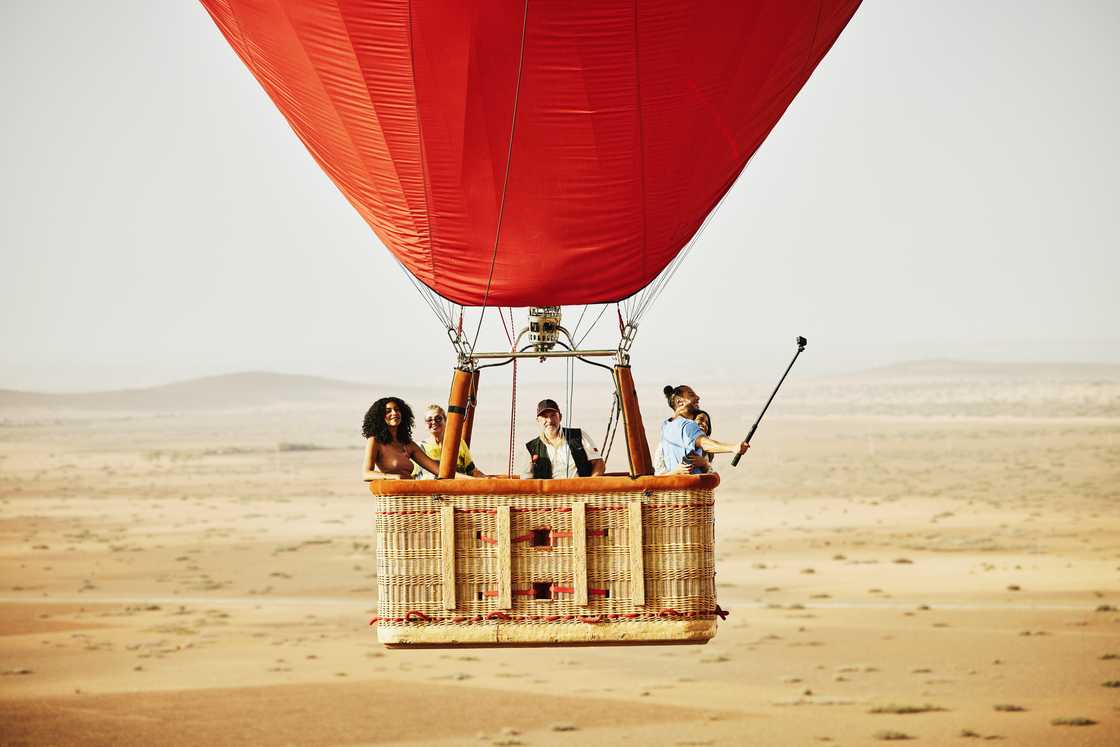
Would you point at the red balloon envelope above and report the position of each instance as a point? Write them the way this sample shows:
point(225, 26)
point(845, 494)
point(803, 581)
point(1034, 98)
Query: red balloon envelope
point(532, 152)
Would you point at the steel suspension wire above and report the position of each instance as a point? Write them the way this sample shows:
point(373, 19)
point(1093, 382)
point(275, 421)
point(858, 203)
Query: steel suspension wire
point(428, 296)
point(653, 290)
point(512, 417)
point(505, 178)
point(579, 321)
point(451, 311)
point(640, 302)
point(502, 317)
point(513, 387)
point(608, 437)
point(569, 392)
point(593, 324)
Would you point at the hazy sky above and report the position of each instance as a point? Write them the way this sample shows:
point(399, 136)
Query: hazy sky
point(944, 186)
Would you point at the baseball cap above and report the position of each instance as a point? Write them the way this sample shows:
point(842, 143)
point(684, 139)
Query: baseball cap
point(547, 404)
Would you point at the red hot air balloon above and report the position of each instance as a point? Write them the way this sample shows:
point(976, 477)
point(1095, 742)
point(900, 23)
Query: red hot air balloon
point(532, 152)
point(537, 153)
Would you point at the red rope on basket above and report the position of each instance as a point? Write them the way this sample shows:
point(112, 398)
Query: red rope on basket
point(417, 616)
point(557, 509)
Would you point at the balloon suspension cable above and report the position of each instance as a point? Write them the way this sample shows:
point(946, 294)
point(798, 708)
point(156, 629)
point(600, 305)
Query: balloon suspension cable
point(445, 316)
point(428, 296)
point(653, 291)
point(513, 388)
point(512, 417)
point(575, 329)
point(608, 437)
point(502, 317)
point(569, 393)
point(593, 325)
point(505, 178)
point(638, 304)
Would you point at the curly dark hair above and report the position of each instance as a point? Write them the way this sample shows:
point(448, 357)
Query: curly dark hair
point(375, 425)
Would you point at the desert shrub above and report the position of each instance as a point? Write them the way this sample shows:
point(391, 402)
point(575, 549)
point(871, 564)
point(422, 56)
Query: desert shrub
point(904, 709)
point(285, 446)
point(891, 736)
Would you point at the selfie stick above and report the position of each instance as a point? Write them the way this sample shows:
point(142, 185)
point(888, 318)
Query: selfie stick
point(801, 343)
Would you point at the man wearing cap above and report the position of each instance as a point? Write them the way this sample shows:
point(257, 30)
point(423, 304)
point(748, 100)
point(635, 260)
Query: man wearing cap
point(560, 452)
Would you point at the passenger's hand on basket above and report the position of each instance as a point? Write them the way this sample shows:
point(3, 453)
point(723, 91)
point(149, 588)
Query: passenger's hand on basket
point(692, 462)
point(684, 468)
point(699, 461)
point(743, 447)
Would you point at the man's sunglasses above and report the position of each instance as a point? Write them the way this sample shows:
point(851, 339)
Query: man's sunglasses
point(433, 421)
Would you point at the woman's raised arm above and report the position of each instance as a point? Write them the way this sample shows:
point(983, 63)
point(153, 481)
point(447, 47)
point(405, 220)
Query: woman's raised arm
point(713, 446)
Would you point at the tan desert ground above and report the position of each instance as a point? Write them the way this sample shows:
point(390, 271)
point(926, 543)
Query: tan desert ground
point(925, 552)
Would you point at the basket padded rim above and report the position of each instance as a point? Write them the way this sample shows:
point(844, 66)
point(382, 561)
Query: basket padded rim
point(513, 486)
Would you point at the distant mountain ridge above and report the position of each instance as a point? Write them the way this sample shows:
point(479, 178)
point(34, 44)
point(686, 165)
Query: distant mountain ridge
point(948, 386)
point(951, 368)
point(225, 391)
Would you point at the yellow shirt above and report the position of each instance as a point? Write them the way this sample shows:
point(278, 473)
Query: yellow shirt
point(435, 451)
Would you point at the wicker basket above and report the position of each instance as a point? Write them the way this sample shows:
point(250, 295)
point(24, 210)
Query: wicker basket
point(502, 562)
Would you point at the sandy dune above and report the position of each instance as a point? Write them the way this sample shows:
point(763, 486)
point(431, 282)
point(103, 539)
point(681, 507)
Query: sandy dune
point(929, 551)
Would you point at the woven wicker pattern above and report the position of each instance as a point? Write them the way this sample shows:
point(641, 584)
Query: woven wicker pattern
point(679, 572)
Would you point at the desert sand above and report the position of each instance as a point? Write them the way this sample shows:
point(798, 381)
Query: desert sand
point(928, 552)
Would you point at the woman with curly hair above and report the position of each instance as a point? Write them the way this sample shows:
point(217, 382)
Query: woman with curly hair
point(390, 449)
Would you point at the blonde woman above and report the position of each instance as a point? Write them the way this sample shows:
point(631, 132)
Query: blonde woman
point(436, 420)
